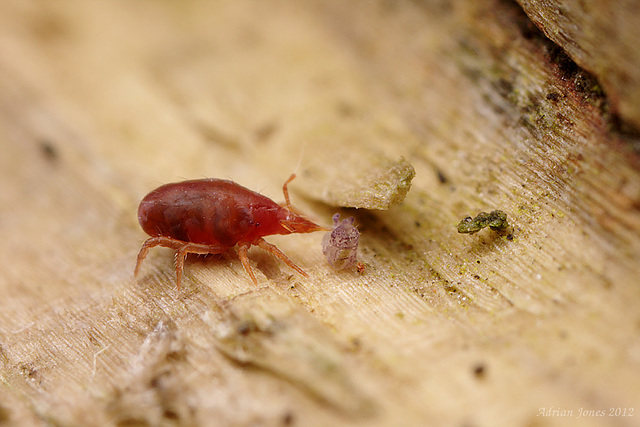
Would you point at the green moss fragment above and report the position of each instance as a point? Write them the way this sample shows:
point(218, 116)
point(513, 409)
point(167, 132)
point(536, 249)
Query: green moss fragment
point(495, 220)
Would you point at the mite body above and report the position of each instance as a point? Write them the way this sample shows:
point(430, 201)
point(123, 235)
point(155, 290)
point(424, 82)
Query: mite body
point(341, 245)
point(212, 216)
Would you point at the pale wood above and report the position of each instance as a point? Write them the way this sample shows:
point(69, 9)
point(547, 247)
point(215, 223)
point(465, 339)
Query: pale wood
point(103, 101)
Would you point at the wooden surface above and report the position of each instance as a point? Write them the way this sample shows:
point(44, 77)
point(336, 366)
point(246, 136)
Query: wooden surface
point(102, 101)
point(602, 37)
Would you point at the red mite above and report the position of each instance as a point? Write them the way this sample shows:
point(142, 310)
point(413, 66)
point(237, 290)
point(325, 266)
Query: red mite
point(211, 216)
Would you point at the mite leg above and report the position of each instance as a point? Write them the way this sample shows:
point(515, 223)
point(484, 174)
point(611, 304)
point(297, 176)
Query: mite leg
point(181, 255)
point(153, 242)
point(287, 201)
point(277, 252)
point(243, 248)
point(192, 248)
point(285, 190)
point(182, 249)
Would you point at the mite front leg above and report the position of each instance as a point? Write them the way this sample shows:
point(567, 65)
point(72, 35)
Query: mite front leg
point(287, 201)
point(285, 191)
point(277, 252)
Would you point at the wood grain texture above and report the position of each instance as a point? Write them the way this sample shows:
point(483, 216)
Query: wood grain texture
point(103, 101)
point(602, 38)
